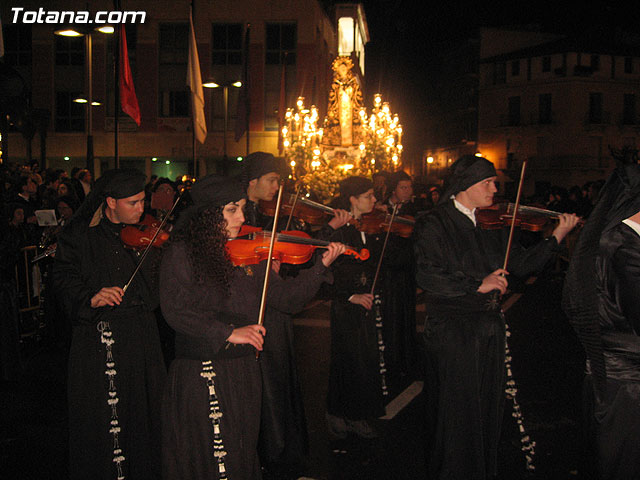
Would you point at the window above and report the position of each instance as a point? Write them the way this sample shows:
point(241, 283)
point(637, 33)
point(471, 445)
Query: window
point(546, 64)
point(499, 73)
point(281, 43)
point(595, 62)
point(174, 44)
point(628, 65)
point(595, 108)
point(226, 44)
point(515, 68)
point(629, 109)
point(17, 44)
point(217, 108)
point(69, 50)
point(69, 114)
point(174, 103)
point(544, 108)
point(514, 111)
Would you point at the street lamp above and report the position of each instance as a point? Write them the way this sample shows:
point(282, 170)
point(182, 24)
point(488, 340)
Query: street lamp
point(225, 98)
point(75, 32)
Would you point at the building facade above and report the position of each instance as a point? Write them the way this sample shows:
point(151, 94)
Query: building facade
point(561, 103)
point(297, 39)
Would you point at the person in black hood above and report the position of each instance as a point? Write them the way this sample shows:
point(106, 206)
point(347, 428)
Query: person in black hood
point(600, 298)
point(459, 266)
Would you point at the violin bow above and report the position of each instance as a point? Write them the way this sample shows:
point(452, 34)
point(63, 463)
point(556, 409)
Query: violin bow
point(384, 247)
point(272, 241)
point(153, 239)
point(516, 205)
point(293, 207)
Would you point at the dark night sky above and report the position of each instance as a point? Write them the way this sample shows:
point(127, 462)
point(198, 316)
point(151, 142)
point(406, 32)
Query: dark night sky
point(406, 36)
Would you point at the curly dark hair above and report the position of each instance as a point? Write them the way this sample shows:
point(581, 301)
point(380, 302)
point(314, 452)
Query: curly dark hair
point(205, 236)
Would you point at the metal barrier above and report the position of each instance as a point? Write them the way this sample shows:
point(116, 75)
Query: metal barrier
point(29, 288)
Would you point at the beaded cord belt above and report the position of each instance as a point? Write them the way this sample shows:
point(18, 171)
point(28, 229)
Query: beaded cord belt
point(215, 414)
point(106, 337)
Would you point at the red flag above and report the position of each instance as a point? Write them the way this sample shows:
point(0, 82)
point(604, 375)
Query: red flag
point(282, 105)
point(128, 98)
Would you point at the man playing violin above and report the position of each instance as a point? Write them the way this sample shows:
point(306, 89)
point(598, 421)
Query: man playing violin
point(116, 369)
point(459, 266)
point(284, 442)
point(262, 173)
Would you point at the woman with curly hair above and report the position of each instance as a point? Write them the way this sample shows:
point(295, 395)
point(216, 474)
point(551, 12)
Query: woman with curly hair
point(212, 401)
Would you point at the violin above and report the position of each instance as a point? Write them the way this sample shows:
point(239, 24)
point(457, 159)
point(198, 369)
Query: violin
point(292, 247)
point(313, 213)
point(139, 236)
point(500, 215)
point(378, 222)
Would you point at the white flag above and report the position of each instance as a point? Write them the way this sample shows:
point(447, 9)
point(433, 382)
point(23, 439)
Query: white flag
point(194, 81)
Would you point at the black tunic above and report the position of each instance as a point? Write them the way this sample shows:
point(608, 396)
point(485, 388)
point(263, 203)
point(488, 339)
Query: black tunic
point(616, 418)
point(355, 378)
point(203, 321)
point(88, 259)
point(399, 305)
point(464, 343)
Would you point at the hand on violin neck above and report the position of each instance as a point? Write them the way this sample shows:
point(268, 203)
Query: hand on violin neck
point(341, 218)
point(334, 250)
point(494, 281)
point(566, 223)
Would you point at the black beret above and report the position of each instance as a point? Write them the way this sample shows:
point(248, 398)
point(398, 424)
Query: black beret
point(257, 164)
point(216, 191)
point(467, 171)
point(123, 183)
point(397, 177)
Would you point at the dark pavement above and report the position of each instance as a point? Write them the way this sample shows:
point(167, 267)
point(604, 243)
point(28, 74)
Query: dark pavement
point(547, 365)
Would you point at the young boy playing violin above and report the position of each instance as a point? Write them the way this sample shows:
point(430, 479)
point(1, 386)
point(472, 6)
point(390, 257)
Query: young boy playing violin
point(459, 266)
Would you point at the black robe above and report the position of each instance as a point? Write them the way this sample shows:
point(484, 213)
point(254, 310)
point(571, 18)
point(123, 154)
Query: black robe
point(203, 320)
point(616, 417)
point(356, 383)
point(399, 305)
point(464, 342)
point(88, 259)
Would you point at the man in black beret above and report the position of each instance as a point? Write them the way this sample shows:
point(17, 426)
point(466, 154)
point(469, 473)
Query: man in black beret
point(116, 369)
point(262, 173)
point(459, 266)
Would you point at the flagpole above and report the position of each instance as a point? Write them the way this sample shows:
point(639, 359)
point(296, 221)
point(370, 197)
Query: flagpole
point(248, 99)
point(116, 81)
point(193, 113)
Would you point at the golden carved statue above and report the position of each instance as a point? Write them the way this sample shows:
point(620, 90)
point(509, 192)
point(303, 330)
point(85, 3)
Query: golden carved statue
point(343, 124)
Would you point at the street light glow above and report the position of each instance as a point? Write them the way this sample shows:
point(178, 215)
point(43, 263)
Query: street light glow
point(210, 85)
point(69, 32)
point(237, 84)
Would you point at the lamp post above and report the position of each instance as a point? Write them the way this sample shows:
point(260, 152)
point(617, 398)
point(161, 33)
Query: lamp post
point(225, 99)
point(75, 32)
